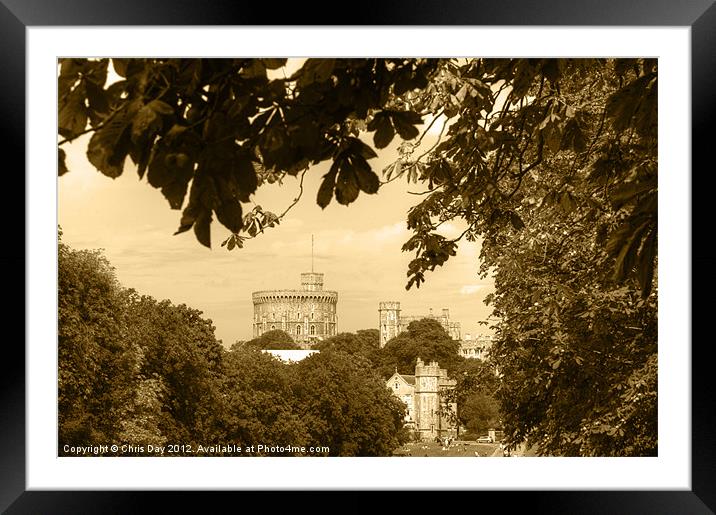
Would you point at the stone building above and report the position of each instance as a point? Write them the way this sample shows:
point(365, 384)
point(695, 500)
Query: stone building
point(308, 314)
point(392, 323)
point(477, 347)
point(422, 394)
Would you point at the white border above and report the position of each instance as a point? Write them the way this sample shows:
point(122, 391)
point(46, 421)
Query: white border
point(671, 470)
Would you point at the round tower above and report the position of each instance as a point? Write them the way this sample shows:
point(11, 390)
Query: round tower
point(308, 314)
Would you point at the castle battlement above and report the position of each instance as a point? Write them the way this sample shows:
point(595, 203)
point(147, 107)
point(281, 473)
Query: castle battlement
point(392, 322)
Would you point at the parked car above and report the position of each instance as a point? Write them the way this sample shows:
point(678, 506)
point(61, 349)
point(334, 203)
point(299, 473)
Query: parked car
point(484, 439)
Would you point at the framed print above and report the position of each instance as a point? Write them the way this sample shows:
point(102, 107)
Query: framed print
point(307, 133)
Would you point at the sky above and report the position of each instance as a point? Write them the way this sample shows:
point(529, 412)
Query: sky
point(357, 247)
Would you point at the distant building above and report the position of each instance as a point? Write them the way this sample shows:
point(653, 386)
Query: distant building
point(290, 355)
point(308, 314)
point(392, 322)
point(422, 394)
point(477, 347)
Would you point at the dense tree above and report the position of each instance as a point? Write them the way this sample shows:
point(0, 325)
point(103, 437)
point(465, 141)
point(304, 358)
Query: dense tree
point(274, 339)
point(364, 342)
point(258, 405)
point(480, 412)
point(95, 363)
point(425, 339)
point(180, 362)
point(577, 338)
point(551, 163)
point(474, 395)
point(347, 407)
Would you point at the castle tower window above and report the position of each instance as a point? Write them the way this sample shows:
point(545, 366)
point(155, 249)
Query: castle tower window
point(273, 327)
point(298, 329)
point(313, 329)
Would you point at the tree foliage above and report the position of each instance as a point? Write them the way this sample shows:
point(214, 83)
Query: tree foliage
point(225, 127)
point(274, 339)
point(346, 405)
point(364, 343)
point(95, 364)
point(425, 339)
point(179, 362)
point(257, 402)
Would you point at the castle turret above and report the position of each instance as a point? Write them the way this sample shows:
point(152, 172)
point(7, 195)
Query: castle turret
point(311, 281)
point(429, 380)
point(389, 320)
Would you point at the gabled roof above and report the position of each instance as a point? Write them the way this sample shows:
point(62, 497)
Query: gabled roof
point(408, 379)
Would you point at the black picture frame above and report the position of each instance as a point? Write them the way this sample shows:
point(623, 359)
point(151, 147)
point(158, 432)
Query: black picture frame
point(699, 15)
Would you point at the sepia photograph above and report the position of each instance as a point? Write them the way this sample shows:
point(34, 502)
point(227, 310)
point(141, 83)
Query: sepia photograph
point(357, 257)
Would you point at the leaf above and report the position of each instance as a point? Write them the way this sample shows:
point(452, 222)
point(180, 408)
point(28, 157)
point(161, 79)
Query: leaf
point(274, 63)
point(567, 202)
point(315, 70)
point(405, 122)
point(187, 220)
point(245, 175)
point(629, 238)
point(626, 192)
point(552, 137)
point(347, 188)
point(120, 66)
point(109, 145)
point(72, 118)
point(229, 214)
point(573, 136)
point(61, 166)
point(159, 173)
point(624, 103)
point(517, 222)
point(384, 131)
point(145, 124)
point(367, 179)
point(202, 228)
point(96, 97)
point(362, 149)
point(325, 192)
point(645, 271)
point(462, 93)
point(160, 107)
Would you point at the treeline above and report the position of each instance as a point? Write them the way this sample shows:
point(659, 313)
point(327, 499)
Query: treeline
point(136, 371)
point(477, 382)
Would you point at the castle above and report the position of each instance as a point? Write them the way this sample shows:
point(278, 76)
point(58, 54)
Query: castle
point(422, 394)
point(392, 323)
point(477, 347)
point(308, 314)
